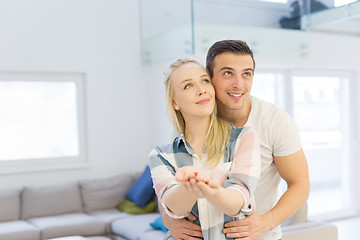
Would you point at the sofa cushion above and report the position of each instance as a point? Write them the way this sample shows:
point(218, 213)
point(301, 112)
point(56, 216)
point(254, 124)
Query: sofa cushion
point(310, 231)
point(9, 205)
point(18, 230)
point(115, 237)
point(151, 235)
point(142, 191)
point(81, 238)
point(131, 208)
point(69, 224)
point(108, 216)
point(98, 194)
point(159, 225)
point(51, 200)
point(134, 226)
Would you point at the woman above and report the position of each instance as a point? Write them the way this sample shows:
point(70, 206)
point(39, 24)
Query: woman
point(211, 169)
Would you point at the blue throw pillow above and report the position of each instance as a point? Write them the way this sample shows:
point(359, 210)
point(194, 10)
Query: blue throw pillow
point(142, 191)
point(158, 224)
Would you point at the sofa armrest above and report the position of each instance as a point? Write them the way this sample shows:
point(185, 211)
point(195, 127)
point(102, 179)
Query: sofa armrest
point(310, 231)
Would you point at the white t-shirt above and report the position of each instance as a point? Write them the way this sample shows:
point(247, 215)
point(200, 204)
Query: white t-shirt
point(278, 136)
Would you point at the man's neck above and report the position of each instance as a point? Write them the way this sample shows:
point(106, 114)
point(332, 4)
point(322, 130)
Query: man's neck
point(237, 117)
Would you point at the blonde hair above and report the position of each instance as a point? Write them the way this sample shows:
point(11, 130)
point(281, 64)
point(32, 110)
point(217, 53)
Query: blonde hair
point(219, 130)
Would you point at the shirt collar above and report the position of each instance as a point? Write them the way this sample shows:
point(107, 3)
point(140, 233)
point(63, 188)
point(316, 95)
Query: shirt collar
point(180, 139)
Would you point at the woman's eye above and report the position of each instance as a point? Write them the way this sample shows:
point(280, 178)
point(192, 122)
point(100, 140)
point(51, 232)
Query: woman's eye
point(206, 81)
point(187, 86)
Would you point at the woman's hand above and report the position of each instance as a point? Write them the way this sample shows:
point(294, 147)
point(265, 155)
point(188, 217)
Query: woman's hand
point(184, 174)
point(197, 182)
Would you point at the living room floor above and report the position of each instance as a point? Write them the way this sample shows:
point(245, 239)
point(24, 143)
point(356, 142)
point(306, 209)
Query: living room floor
point(348, 229)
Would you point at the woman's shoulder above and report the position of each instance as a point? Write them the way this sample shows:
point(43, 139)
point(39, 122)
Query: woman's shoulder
point(169, 147)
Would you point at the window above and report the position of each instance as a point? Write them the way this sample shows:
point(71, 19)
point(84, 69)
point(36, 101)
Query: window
point(338, 3)
point(269, 87)
point(42, 123)
point(321, 111)
point(276, 1)
point(320, 105)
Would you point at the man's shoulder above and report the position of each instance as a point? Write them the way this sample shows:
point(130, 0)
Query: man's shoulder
point(264, 105)
point(263, 108)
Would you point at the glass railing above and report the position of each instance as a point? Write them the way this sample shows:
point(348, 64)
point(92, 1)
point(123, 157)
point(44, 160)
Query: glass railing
point(340, 16)
point(173, 28)
point(166, 29)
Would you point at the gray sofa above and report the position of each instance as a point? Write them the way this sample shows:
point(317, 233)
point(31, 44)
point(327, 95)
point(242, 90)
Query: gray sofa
point(85, 208)
point(88, 208)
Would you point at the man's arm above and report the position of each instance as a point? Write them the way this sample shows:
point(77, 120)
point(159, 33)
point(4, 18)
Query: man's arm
point(294, 170)
point(181, 229)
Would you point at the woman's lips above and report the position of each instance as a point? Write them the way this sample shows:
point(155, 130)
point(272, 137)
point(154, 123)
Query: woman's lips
point(203, 101)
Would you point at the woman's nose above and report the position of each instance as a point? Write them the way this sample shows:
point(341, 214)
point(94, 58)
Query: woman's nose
point(201, 91)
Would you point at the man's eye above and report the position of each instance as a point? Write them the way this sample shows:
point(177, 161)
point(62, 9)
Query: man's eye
point(247, 74)
point(227, 73)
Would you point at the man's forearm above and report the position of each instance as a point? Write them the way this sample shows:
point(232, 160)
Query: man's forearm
point(164, 216)
point(289, 203)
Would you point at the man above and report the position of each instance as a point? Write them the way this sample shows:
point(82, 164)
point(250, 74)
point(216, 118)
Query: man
point(231, 66)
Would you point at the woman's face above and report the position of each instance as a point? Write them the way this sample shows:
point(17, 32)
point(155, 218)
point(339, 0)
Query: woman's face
point(194, 94)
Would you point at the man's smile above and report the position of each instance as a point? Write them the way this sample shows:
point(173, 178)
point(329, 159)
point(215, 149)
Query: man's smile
point(237, 95)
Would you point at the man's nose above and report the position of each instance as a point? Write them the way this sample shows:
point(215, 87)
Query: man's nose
point(237, 82)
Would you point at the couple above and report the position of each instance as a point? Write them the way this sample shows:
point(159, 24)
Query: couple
point(211, 175)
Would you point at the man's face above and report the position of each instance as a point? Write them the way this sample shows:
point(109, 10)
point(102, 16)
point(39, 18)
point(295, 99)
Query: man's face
point(232, 80)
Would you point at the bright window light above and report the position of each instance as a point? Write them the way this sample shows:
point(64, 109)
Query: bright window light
point(319, 103)
point(338, 3)
point(38, 120)
point(41, 120)
point(320, 110)
point(276, 1)
point(269, 87)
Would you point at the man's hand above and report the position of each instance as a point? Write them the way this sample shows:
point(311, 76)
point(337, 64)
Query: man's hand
point(249, 228)
point(182, 229)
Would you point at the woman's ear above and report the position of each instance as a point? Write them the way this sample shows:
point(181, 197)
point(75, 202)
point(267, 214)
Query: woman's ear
point(174, 105)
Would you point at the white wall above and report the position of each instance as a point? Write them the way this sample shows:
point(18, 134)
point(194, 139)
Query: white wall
point(100, 38)
point(125, 105)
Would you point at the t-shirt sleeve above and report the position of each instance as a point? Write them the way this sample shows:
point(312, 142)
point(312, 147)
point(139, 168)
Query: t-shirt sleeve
point(286, 138)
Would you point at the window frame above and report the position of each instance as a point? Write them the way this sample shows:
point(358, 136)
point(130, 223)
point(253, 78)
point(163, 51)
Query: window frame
point(351, 180)
point(53, 163)
point(352, 103)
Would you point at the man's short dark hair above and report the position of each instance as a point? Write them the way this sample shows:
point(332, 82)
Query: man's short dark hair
point(226, 46)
